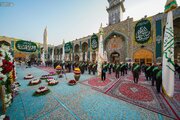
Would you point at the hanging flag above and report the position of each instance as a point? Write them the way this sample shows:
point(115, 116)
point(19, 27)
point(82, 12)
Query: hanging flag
point(168, 51)
point(100, 52)
point(63, 54)
point(42, 58)
point(52, 57)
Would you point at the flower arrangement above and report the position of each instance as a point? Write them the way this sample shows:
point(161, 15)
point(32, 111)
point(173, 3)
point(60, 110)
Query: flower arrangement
point(44, 77)
point(52, 82)
point(49, 79)
point(4, 117)
point(41, 91)
point(51, 73)
point(3, 77)
point(72, 82)
point(15, 88)
point(6, 67)
point(29, 76)
point(77, 71)
point(7, 99)
point(34, 82)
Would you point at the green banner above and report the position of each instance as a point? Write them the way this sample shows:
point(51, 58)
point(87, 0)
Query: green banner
point(12, 47)
point(158, 38)
point(68, 47)
point(143, 31)
point(26, 46)
point(94, 42)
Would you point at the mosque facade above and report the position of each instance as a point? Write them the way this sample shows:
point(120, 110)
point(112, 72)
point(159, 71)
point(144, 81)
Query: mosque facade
point(127, 40)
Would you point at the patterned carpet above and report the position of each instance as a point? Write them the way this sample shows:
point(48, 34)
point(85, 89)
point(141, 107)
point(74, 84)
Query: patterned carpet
point(97, 84)
point(77, 102)
point(142, 94)
point(175, 101)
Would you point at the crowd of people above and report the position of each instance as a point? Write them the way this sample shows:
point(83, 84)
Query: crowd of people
point(152, 73)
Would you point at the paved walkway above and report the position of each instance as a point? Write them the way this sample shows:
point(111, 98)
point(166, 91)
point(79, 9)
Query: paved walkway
point(74, 102)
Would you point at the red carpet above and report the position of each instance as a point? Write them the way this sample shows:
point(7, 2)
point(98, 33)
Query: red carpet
point(98, 84)
point(175, 101)
point(142, 94)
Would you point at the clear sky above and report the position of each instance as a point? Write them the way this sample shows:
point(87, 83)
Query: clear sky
point(65, 19)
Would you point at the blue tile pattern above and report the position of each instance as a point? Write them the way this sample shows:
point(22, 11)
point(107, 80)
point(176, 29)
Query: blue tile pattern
point(66, 102)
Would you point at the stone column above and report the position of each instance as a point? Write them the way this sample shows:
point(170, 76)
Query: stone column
point(85, 56)
point(81, 56)
point(96, 56)
point(90, 58)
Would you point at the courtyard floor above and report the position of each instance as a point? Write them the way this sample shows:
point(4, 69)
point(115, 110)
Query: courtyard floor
point(114, 99)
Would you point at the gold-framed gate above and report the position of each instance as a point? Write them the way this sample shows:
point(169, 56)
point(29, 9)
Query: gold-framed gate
point(143, 56)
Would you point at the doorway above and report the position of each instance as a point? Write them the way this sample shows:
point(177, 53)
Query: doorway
point(115, 57)
point(143, 56)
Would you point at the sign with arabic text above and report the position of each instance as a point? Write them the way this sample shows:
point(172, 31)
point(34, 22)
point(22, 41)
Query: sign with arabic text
point(94, 42)
point(26, 46)
point(143, 31)
point(68, 47)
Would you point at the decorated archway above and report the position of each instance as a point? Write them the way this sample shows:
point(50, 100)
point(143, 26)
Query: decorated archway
point(33, 57)
point(20, 56)
point(76, 48)
point(116, 42)
point(143, 56)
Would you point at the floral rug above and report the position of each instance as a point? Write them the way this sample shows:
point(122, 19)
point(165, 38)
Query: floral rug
point(97, 84)
point(142, 78)
point(142, 94)
point(175, 101)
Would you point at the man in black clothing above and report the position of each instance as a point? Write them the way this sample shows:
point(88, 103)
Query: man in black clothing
point(114, 67)
point(178, 71)
point(126, 68)
point(136, 70)
point(82, 67)
point(109, 67)
point(94, 68)
point(159, 79)
point(103, 72)
point(90, 67)
point(117, 70)
point(154, 72)
point(122, 69)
